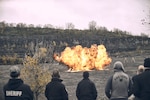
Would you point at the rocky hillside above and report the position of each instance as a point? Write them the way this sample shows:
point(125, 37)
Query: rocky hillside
point(14, 41)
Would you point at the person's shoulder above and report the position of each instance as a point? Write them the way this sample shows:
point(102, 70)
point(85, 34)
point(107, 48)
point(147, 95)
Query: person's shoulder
point(81, 81)
point(61, 85)
point(134, 76)
point(91, 81)
point(137, 76)
point(48, 83)
point(125, 74)
point(25, 85)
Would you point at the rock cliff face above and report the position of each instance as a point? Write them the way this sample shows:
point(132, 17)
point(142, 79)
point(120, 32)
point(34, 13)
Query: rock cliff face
point(15, 44)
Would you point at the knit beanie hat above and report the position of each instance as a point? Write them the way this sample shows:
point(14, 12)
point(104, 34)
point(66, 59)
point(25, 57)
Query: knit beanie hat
point(14, 71)
point(147, 62)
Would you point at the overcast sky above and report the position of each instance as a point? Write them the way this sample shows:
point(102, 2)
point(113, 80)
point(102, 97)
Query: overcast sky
point(122, 14)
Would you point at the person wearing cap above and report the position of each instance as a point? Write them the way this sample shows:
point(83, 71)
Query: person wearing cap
point(55, 90)
point(86, 89)
point(15, 89)
point(141, 82)
point(119, 85)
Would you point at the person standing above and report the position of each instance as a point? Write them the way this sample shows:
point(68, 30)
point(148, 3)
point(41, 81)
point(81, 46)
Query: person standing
point(86, 89)
point(141, 82)
point(55, 90)
point(139, 71)
point(15, 89)
point(119, 85)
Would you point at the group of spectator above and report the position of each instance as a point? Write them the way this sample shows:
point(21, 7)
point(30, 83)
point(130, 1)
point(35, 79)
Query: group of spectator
point(120, 86)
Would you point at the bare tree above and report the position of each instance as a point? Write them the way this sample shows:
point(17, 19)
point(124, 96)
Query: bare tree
point(33, 72)
point(42, 50)
point(92, 25)
point(70, 26)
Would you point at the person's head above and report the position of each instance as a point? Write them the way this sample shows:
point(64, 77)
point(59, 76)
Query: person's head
point(55, 74)
point(140, 69)
point(85, 74)
point(14, 72)
point(147, 63)
point(118, 66)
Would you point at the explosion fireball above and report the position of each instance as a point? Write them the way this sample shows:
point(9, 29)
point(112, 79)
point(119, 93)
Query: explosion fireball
point(80, 58)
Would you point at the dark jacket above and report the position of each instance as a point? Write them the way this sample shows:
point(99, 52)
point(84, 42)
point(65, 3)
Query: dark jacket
point(135, 98)
point(141, 85)
point(86, 90)
point(15, 89)
point(55, 90)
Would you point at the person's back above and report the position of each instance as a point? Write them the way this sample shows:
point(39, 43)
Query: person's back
point(120, 83)
point(141, 83)
point(139, 71)
point(55, 90)
point(86, 89)
point(118, 86)
point(15, 89)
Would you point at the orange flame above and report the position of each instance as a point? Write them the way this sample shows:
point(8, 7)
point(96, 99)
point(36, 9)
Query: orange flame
point(84, 59)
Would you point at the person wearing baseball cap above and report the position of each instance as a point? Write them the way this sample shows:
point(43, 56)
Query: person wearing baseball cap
point(141, 82)
point(15, 89)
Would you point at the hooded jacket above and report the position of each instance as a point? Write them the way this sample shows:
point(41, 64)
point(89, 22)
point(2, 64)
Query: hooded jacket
point(15, 89)
point(55, 90)
point(118, 85)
